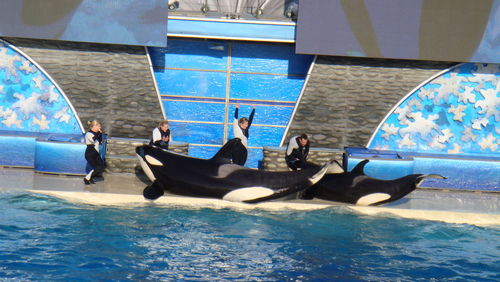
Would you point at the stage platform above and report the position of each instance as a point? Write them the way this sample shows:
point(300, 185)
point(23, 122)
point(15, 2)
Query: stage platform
point(125, 190)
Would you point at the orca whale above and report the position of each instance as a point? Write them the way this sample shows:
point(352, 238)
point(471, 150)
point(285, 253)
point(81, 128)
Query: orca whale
point(218, 177)
point(355, 187)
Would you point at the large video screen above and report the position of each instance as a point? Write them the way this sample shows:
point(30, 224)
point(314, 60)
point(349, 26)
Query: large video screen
point(441, 30)
point(128, 22)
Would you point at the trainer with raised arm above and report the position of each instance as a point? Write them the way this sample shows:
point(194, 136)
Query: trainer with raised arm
point(241, 131)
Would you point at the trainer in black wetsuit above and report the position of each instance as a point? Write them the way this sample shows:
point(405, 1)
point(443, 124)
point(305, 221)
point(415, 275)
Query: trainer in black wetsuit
point(161, 136)
point(240, 131)
point(297, 151)
point(93, 138)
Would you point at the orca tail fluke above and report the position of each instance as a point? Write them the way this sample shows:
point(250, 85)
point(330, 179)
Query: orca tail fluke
point(421, 178)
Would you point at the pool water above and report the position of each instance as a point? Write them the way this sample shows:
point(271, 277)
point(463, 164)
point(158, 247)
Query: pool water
point(42, 238)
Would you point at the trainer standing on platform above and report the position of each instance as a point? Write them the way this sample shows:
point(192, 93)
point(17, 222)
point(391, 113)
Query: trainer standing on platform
point(240, 130)
point(93, 138)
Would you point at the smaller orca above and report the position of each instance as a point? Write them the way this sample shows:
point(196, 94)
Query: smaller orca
point(218, 177)
point(355, 187)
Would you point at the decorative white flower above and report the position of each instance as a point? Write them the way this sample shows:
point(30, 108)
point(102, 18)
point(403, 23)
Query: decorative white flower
point(446, 136)
point(402, 113)
point(389, 130)
point(491, 103)
point(28, 106)
point(379, 147)
point(477, 123)
point(7, 62)
point(455, 150)
point(42, 122)
point(467, 96)
point(406, 142)
point(50, 95)
point(38, 80)
point(484, 73)
point(62, 115)
point(6, 113)
point(426, 93)
point(489, 143)
point(449, 86)
point(468, 135)
point(415, 103)
point(27, 67)
point(420, 125)
point(435, 144)
point(458, 112)
point(11, 119)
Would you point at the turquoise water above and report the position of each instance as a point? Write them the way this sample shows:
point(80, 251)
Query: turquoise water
point(43, 238)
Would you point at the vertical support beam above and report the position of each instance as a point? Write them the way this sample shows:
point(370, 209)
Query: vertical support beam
point(228, 88)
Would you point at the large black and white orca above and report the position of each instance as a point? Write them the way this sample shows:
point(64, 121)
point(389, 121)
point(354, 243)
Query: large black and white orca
point(218, 177)
point(355, 187)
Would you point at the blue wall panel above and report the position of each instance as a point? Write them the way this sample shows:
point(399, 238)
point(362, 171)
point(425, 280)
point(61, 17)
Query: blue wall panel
point(194, 111)
point(203, 152)
point(191, 83)
point(463, 174)
point(70, 157)
point(266, 58)
point(269, 115)
point(17, 151)
point(207, 55)
point(265, 87)
point(197, 133)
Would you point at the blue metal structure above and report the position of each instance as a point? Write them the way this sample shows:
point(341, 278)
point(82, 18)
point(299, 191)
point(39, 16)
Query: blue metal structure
point(200, 82)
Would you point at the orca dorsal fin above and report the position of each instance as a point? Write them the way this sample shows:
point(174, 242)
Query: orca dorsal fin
point(360, 167)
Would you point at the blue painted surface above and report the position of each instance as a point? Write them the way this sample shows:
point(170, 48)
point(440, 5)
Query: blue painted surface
point(17, 151)
point(266, 87)
point(192, 78)
point(231, 30)
point(461, 174)
point(269, 115)
point(194, 111)
point(384, 168)
point(203, 152)
point(465, 172)
point(268, 58)
point(191, 83)
point(197, 133)
point(202, 54)
point(60, 157)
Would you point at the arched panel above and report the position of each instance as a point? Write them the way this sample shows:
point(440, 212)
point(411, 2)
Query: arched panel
point(456, 112)
point(30, 101)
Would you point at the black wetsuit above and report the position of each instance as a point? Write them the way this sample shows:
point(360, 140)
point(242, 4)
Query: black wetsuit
point(160, 143)
point(239, 149)
point(93, 139)
point(296, 154)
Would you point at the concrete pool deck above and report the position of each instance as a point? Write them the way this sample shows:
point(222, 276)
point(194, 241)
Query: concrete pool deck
point(476, 208)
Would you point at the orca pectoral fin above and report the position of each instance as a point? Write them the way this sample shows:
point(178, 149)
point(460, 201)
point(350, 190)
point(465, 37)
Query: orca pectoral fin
point(324, 169)
point(248, 194)
point(153, 191)
point(372, 199)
